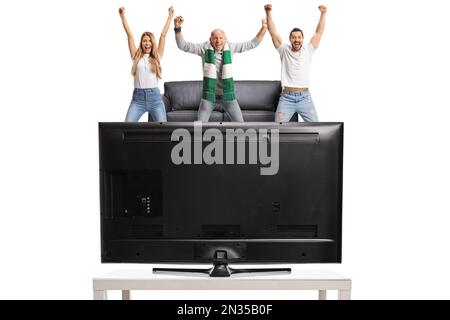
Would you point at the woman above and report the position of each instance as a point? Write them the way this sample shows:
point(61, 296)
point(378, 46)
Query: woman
point(146, 70)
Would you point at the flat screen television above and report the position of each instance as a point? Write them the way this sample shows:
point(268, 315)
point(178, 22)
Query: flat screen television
point(190, 193)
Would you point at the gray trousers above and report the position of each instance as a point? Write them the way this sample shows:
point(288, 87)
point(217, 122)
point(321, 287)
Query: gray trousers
point(231, 108)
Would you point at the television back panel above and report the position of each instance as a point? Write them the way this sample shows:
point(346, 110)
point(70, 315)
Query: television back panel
point(275, 195)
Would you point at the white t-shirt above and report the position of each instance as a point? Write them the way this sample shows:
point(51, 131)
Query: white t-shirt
point(145, 78)
point(295, 66)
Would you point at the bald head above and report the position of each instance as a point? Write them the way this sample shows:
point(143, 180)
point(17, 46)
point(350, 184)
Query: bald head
point(218, 39)
point(217, 32)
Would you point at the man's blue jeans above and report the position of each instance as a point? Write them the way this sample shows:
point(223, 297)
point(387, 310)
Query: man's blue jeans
point(291, 102)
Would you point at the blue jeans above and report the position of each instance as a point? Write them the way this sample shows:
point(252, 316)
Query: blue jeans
point(146, 100)
point(292, 102)
point(231, 108)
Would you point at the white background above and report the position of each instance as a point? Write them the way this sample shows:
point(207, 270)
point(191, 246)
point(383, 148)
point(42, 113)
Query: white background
point(382, 68)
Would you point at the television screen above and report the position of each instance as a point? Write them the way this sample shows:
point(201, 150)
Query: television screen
point(256, 192)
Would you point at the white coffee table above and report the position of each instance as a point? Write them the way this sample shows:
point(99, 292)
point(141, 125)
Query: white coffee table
point(127, 280)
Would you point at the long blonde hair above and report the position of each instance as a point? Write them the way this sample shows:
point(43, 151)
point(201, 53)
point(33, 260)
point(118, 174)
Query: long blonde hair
point(153, 58)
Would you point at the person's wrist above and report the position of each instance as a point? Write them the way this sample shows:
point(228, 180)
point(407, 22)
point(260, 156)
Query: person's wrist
point(177, 29)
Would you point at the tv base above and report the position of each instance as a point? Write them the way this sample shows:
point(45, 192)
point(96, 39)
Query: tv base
point(220, 268)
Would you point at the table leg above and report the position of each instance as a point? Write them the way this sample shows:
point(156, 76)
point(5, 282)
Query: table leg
point(100, 295)
point(322, 294)
point(344, 294)
point(126, 295)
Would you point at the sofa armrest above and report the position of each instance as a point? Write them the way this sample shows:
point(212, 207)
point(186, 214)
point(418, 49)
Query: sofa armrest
point(166, 102)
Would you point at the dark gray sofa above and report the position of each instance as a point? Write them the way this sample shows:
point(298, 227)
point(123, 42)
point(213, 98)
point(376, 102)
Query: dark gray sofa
point(258, 101)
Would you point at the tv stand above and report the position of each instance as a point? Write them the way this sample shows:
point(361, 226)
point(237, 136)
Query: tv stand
point(221, 269)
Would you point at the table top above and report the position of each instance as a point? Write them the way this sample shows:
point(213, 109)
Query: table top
point(296, 274)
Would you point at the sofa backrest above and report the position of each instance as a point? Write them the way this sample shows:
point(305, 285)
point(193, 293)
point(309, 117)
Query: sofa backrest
point(251, 95)
point(183, 95)
point(258, 95)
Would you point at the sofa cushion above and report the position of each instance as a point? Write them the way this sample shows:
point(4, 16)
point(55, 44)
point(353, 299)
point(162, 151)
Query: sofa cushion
point(183, 95)
point(258, 95)
point(191, 115)
point(259, 116)
point(254, 116)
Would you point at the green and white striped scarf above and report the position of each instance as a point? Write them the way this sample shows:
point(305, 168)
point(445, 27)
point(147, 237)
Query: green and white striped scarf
point(210, 75)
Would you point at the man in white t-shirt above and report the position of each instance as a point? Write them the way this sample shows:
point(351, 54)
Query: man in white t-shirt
point(295, 67)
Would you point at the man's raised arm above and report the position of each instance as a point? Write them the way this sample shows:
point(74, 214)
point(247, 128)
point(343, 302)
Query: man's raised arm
point(276, 39)
point(315, 40)
point(249, 45)
point(183, 44)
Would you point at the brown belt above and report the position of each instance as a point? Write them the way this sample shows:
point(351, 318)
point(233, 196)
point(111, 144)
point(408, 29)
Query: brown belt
point(294, 89)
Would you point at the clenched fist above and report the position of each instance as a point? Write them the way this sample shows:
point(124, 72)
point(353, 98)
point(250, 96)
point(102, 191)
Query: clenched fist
point(323, 9)
point(268, 8)
point(122, 11)
point(178, 21)
point(264, 23)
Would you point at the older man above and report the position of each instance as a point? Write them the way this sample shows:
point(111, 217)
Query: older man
point(295, 66)
point(217, 57)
